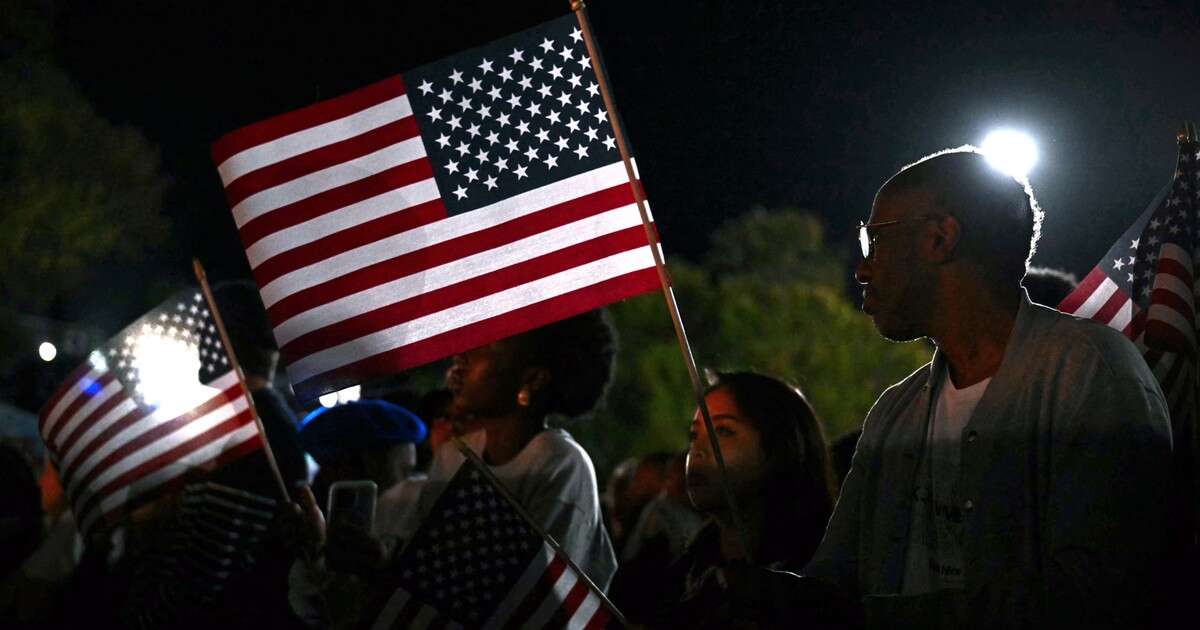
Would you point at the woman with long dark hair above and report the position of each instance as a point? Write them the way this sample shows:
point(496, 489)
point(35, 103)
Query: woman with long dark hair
point(778, 467)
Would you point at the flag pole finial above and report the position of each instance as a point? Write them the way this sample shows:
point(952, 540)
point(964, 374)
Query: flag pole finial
point(685, 347)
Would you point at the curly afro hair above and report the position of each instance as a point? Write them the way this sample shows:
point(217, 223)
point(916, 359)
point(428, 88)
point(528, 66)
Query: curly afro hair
point(579, 353)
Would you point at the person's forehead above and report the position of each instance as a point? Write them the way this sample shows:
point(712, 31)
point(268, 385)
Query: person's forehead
point(892, 203)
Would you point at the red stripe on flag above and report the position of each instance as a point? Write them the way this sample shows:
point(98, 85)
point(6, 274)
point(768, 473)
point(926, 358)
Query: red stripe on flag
point(199, 472)
point(172, 455)
point(101, 439)
point(600, 618)
point(318, 159)
point(474, 335)
point(538, 594)
point(316, 114)
point(1086, 288)
point(570, 603)
point(448, 251)
point(348, 239)
point(67, 441)
point(1175, 268)
point(1136, 325)
point(229, 395)
point(1173, 301)
point(334, 199)
point(1111, 307)
point(82, 399)
point(69, 384)
point(478, 287)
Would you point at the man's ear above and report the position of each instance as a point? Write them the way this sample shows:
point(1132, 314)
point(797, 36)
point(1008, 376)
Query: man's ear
point(943, 236)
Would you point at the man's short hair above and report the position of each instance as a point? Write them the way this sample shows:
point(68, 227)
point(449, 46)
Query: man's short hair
point(1000, 218)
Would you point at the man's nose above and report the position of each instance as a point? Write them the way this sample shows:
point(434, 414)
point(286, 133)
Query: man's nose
point(862, 273)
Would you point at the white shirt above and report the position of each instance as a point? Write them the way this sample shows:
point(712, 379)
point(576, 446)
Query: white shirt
point(934, 558)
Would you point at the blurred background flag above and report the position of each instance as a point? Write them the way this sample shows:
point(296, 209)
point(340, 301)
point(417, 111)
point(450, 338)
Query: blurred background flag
point(506, 575)
point(471, 199)
point(155, 402)
point(1145, 286)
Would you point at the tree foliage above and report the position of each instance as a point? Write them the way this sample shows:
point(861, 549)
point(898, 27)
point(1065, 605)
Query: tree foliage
point(755, 303)
point(75, 190)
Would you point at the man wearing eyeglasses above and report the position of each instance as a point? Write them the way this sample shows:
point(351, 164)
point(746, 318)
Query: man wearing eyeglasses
point(1018, 479)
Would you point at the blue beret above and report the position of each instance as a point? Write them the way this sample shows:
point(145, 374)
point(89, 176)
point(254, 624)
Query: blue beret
point(358, 425)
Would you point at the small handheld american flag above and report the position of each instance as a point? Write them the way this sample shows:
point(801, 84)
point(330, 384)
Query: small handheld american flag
point(477, 562)
point(474, 198)
point(152, 404)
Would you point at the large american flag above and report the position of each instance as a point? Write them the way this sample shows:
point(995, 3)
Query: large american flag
point(471, 199)
point(476, 562)
point(152, 404)
point(1145, 286)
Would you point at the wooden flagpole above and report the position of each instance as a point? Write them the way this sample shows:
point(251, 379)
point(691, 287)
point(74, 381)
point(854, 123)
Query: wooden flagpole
point(685, 347)
point(512, 500)
point(262, 432)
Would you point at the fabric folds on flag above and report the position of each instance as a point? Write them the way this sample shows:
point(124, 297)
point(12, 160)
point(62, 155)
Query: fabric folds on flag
point(476, 562)
point(1145, 286)
point(214, 539)
point(471, 199)
point(149, 406)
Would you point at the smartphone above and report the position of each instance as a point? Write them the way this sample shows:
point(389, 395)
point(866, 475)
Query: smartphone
point(353, 503)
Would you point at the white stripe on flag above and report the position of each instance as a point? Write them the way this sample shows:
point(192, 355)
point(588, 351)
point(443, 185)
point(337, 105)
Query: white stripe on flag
point(1097, 299)
point(471, 312)
point(312, 138)
point(553, 600)
point(167, 442)
point(473, 266)
point(450, 228)
point(172, 470)
point(1171, 317)
point(85, 410)
point(391, 610)
point(529, 578)
point(1174, 284)
point(423, 618)
point(583, 614)
point(145, 424)
point(77, 388)
point(390, 202)
point(102, 423)
point(328, 178)
point(1123, 316)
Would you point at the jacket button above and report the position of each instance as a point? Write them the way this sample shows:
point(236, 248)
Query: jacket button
point(968, 505)
point(971, 436)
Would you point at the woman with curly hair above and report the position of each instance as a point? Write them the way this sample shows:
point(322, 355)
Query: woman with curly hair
point(505, 392)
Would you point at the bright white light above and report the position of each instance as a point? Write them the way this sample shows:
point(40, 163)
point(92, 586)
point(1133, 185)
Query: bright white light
point(353, 392)
point(349, 394)
point(47, 351)
point(1011, 152)
point(167, 373)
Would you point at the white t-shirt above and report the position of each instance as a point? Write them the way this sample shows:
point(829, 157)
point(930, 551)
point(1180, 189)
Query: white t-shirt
point(934, 558)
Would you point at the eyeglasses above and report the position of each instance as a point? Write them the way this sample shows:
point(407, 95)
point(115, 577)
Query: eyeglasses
point(866, 240)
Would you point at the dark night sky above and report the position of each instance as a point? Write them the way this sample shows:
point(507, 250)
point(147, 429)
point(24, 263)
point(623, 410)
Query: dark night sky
point(727, 104)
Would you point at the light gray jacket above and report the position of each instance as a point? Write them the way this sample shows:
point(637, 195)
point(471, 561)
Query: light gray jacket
point(1064, 478)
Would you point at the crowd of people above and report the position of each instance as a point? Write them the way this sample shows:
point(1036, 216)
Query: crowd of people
point(1021, 479)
